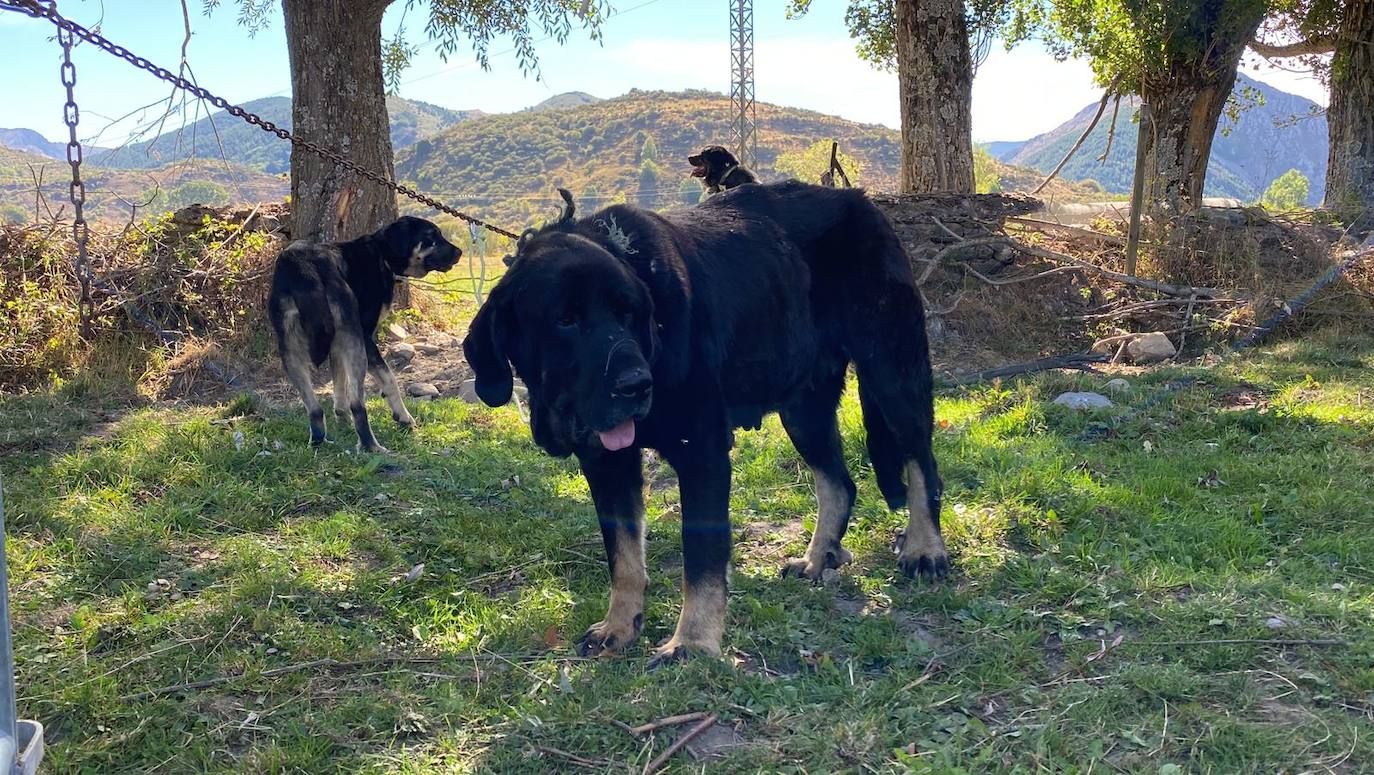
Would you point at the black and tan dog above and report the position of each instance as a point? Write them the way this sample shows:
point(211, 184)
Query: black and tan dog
point(326, 301)
point(633, 329)
point(719, 169)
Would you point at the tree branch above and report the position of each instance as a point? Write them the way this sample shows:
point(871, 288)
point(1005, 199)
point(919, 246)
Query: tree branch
point(1081, 361)
point(1101, 108)
point(1317, 44)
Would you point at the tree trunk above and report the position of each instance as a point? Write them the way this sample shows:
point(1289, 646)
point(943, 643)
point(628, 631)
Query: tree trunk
point(1186, 101)
point(935, 84)
point(338, 101)
point(1350, 118)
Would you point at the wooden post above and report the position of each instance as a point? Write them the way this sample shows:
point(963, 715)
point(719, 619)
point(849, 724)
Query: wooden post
point(1137, 190)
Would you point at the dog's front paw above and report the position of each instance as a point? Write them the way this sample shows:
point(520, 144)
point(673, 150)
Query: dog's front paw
point(926, 563)
point(677, 649)
point(406, 421)
point(814, 564)
point(607, 638)
point(374, 449)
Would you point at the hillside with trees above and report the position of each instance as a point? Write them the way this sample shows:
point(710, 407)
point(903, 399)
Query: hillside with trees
point(505, 166)
point(111, 194)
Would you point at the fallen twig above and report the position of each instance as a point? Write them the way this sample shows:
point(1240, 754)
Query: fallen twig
point(1072, 361)
point(1187, 318)
point(1127, 279)
point(1183, 291)
point(677, 745)
point(574, 758)
point(1037, 224)
point(670, 721)
point(1241, 641)
point(1020, 279)
point(1146, 306)
point(957, 247)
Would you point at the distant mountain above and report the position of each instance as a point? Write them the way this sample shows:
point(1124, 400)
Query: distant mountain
point(1266, 140)
point(221, 137)
point(29, 141)
point(1003, 149)
point(571, 99)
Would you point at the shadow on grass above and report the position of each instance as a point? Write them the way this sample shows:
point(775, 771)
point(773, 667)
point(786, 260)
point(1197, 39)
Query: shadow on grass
point(1235, 514)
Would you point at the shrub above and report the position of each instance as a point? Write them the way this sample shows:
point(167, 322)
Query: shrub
point(809, 164)
point(1288, 192)
point(986, 178)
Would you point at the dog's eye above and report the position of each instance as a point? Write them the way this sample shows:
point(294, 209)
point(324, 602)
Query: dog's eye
point(567, 320)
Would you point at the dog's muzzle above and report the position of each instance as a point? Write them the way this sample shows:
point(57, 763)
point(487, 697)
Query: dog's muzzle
point(442, 259)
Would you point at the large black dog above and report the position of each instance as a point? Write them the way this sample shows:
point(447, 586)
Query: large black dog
point(325, 302)
point(635, 329)
point(719, 170)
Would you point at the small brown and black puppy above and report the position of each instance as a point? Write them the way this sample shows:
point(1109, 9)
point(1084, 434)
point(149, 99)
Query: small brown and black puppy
point(719, 169)
point(326, 300)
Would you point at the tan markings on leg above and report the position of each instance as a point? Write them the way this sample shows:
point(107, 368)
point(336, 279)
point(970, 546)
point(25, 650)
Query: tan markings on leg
point(922, 540)
point(701, 625)
point(625, 614)
point(825, 551)
point(386, 383)
point(341, 389)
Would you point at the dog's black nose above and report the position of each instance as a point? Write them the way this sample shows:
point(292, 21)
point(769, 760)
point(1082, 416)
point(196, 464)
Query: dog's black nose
point(635, 383)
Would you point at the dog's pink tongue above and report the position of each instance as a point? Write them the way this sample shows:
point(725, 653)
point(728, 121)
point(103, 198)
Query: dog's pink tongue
point(619, 437)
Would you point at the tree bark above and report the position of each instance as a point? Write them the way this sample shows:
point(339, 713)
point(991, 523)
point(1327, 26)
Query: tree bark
point(1350, 118)
point(338, 101)
point(1186, 101)
point(935, 84)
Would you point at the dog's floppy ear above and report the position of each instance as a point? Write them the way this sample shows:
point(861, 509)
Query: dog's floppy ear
point(486, 354)
point(648, 331)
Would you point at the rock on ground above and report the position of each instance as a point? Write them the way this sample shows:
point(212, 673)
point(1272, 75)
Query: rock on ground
point(1150, 348)
point(423, 390)
point(1083, 400)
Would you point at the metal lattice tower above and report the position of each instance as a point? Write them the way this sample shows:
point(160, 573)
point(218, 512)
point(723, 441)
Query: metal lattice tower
point(742, 81)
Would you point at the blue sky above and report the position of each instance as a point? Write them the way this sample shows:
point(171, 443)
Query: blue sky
point(648, 44)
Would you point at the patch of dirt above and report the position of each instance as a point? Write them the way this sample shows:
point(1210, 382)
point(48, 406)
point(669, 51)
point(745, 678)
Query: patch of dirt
point(438, 360)
point(717, 741)
point(1242, 398)
point(918, 626)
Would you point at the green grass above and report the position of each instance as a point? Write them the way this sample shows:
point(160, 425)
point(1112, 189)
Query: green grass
point(1245, 498)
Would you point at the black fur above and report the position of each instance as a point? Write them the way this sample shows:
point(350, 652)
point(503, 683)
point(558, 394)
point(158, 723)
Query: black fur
point(719, 169)
point(685, 325)
point(326, 301)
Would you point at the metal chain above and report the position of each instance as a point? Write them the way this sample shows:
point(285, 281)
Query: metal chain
point(33, 8)
point(81, 232)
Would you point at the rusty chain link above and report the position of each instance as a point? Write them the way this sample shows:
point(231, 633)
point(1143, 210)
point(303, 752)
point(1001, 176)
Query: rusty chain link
point(38, 10)
point(81, 232)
